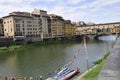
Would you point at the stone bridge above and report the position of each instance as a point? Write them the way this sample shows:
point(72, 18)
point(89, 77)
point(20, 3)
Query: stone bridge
point(99, 29)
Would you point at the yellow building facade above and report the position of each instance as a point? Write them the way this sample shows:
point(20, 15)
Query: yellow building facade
point(69, 28)
point(57, 26)
point(73, 29)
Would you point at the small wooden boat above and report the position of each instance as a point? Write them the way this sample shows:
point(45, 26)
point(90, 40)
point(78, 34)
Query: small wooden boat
point(62, 70)
point(69, 75)
point(62, 73)
point(66, 74)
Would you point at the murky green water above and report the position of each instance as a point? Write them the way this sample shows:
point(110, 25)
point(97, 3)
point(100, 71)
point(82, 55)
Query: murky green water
point(44, 60)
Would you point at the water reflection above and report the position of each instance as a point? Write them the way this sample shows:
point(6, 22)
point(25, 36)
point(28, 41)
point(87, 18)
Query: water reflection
point(108, 38)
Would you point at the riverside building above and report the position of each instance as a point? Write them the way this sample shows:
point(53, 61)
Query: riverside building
point(1, 27)
point(36, 26)
point(57, 26)
point(73, 29)
point(68, 28)
point(28, 26)
point(43, 16)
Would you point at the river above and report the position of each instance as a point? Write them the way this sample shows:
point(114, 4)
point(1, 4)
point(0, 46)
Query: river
point(45, 60)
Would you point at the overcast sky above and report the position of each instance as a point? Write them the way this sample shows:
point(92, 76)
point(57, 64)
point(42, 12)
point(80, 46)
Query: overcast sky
point(97, 11)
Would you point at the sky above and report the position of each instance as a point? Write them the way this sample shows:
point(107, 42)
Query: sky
point(96, 11)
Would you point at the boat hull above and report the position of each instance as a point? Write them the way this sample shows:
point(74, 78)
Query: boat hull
point(69, 75)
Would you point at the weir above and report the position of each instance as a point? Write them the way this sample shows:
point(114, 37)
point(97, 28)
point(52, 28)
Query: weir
point(111, 69)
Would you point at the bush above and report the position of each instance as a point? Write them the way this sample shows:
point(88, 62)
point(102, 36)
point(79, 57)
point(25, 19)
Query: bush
point(106, 55)
point(98, 61)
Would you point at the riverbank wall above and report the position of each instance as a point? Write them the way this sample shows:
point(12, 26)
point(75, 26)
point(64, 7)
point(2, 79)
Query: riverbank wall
point(9, 41)
point(10, 45)
point(111, 69)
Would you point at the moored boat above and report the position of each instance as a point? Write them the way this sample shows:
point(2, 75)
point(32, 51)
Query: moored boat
point(69, 75)
point(63, 73)
point(63, 69)
point(66, 74)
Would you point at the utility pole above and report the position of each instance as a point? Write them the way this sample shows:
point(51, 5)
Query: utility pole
point(85, 49)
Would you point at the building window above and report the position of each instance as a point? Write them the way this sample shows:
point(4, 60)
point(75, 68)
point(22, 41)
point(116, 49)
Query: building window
point(29, 22)
point(18, 29)
point(17, 20)
point(29, 25)
point(23, 29)
point(40, 28)
point(17, 25)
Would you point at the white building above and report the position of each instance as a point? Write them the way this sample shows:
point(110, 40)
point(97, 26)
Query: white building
point(24, 25)
point(43, 17)
point(1, 27)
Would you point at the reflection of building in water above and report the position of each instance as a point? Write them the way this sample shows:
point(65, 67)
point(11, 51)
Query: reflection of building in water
point(108, 38)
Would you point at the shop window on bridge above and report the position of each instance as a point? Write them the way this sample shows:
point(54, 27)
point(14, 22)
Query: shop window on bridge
point(104, 30)
point(95, 31)
point(98, 30)
point(108, 30)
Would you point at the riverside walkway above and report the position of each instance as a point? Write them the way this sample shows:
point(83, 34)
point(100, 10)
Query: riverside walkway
point(111, 69)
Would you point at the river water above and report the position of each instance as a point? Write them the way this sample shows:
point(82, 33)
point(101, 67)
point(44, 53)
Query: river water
point(45, 60)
